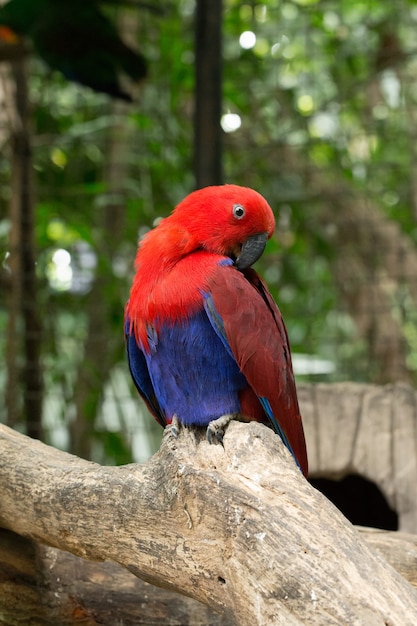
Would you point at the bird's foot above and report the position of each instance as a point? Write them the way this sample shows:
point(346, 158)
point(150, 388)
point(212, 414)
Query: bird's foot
point(174, 427)
point(215, 429)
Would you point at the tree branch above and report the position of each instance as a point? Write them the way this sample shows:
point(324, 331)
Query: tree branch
point(237, 528)
point(44, 586)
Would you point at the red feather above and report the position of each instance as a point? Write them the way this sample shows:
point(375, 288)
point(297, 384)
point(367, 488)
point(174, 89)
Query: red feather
point(259, 342)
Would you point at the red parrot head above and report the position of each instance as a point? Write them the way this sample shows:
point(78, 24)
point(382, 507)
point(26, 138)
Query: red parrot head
point(228, 220)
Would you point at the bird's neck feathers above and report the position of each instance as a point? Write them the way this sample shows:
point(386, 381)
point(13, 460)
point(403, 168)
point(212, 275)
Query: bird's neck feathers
point(169, 280)
point(158, 253)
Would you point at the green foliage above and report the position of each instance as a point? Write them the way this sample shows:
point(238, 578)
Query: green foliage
point(327, 100)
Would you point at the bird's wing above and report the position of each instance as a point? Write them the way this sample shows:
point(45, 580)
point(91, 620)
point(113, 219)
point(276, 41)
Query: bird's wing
point(139, 371)
point(246, 318)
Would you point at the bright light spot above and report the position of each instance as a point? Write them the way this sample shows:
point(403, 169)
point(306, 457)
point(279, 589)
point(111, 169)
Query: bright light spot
point(59, 270)
point(187, 7)
point(260, 12)
point(247, 40)
point(288, 81)
point(56, 230)
point(305, 104)
point(278, 47)
point(5, 263)
point(289, 11)
point(230, 122)
point(361, 148)
point(391, 88)
point(275, 49)
point(59, 158)
point(63, 277)
point(380, 112)
point(61, 258)
point(308, 364)
point(83, 264)
point(305, 3)
point(297, 138)
point(331, 20)
point(323, 125)
point(391, 198)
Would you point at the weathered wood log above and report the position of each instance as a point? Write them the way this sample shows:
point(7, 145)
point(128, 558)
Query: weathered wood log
point(399, 549)
point(237, 528)
point(44, 586)
point(370, 430)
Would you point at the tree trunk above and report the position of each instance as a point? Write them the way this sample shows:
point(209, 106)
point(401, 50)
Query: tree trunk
point(235, 527)
point(24, 316)
point(208, 93)
point(372, 270)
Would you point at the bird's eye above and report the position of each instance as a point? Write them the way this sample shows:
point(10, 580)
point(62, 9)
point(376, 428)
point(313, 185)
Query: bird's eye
point(238, 211)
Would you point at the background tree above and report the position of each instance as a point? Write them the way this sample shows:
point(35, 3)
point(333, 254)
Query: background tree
point(208, 153)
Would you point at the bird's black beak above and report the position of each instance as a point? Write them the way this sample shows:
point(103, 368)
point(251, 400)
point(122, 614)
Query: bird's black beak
point(251, 250)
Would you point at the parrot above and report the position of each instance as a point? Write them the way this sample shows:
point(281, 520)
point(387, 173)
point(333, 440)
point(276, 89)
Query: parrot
point(76, 38)
point(205, 341)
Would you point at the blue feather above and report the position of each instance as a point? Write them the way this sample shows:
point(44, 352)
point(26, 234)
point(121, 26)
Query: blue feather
point(188, 370)
point(268, 410)
point(140, 374)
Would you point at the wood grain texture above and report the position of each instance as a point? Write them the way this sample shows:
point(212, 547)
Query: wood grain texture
point(237, 528)
point(399, 549)
point(44, 586)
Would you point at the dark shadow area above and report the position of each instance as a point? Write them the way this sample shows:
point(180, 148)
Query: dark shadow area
point(360, 500)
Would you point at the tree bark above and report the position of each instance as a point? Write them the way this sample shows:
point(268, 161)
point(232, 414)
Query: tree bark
point(235, 527)
point(44, 586)
point(399, 549)
point(23, 299)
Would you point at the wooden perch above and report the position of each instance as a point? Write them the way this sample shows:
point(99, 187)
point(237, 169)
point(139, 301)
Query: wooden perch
point(399, 549)
point(237, 528)
point(44, 586)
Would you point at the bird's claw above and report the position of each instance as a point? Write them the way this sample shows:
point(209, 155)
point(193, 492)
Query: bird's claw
point(174, 427)
point(216, 428)
point(214, 434)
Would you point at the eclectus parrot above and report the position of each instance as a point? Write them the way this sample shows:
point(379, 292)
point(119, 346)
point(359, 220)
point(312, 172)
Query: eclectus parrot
point(75, 38)
point(205, 341)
